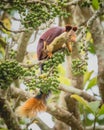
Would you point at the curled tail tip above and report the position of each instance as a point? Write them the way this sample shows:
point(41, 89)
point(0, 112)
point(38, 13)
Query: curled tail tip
point(30, 108)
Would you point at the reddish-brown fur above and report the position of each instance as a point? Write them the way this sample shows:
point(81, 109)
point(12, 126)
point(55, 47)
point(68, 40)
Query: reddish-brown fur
point(31, 107)
point(49, 36)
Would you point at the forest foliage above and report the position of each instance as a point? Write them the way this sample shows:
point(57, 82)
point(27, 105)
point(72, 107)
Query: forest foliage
point(35, 15)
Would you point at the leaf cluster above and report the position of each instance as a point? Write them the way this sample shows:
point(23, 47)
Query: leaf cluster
point(79, 67)
point(94, 108)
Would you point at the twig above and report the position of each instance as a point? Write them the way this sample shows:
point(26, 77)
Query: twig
point(95, 15)
point(72, 3)
point(40, 123)
point(90, 22)
point(51, 69)
point(17, 100)
point(13, 31)
point(33, 64)
point(27, 125)
point(37, 1)
point(7, 51)
point(17, 92)
point(35, 35)
point(94, 126)
point(16, 19)
point(82, 64)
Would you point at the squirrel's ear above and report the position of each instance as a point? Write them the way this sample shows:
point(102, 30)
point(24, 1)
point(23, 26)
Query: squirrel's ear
point(75, 29)
point(68, 28)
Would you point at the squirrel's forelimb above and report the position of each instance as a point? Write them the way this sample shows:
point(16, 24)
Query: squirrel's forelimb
point(66, 38)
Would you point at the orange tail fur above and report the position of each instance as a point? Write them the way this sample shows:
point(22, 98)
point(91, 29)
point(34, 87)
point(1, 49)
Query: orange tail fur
point(31, 107)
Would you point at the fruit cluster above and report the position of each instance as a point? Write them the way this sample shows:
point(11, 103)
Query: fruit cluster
point(34, 13)
point(12, 54)
point(79, 66)
point(55, 60)
point(9, 71)
point(48, 80)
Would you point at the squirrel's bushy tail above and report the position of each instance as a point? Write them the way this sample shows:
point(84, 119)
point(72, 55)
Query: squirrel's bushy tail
point(31, 107)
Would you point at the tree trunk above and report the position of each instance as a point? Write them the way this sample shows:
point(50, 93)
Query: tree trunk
point(8, 115)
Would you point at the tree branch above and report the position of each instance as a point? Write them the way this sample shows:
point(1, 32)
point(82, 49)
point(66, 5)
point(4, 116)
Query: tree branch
point(37, 1)
point(65, 117)
point(42, 125)
point(74, 2)
point(17, 92)
point(77, 91)
point(60, 114)
point(98, 37)
point(23, 42)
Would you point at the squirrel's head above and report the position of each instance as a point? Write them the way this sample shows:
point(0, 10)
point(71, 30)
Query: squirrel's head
point(69, 28)
point(71, 32)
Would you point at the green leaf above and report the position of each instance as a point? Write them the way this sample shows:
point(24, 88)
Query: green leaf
point(95, 4)
point(91, 48)
point(61, 70)
point(94, 106)
point(64, 80)
point(101, 110)
point(92, 83)
point(87, 76)
point(80, 99)
point(88, 36)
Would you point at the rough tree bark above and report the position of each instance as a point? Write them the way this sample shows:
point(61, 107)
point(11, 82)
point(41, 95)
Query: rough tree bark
point(8, 115)
point(23, 42)
point(77, 82)
point(65, 117)
point(98, 37)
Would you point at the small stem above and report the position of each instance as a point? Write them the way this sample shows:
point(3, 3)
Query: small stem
point(84, 120)
point(7, 52)
point(94, 127)
point(13, 31)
